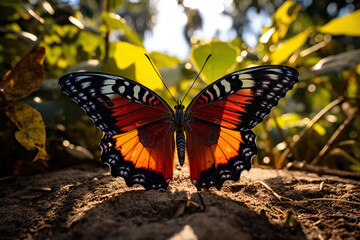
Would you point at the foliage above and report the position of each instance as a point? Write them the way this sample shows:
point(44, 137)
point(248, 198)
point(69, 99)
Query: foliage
point(317, 122)
point(23, 79)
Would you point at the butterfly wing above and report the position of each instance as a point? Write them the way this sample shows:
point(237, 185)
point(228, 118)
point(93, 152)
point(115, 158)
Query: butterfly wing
point(138, 142)
point(220, 143)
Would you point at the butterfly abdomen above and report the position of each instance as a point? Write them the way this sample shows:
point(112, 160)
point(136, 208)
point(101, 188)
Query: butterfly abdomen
point(180, 137)
point(180, 145)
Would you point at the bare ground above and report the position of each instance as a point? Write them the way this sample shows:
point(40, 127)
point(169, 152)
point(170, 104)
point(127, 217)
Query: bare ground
point(87, 203)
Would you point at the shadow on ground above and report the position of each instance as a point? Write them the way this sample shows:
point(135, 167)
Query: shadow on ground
point(90, 204)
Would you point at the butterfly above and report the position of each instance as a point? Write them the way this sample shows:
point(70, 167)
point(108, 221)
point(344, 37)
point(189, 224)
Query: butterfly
point(141, 130)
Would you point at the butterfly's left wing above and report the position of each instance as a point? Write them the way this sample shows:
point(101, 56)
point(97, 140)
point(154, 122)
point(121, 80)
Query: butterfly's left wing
point(220, 143)
point(138, 143)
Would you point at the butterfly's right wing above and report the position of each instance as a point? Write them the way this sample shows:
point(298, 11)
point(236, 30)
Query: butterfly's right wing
point(138, 143)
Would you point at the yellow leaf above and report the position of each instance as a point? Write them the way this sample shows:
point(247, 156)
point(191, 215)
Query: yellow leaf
point(25, 77)
point(288, 47)
point(287, 13)
point(222, 61)
point(347, 25)
point(283, 17)
point(31, 127)
point(129, 61)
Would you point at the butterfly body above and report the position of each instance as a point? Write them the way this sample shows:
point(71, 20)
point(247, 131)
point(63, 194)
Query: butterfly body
point(213, 132)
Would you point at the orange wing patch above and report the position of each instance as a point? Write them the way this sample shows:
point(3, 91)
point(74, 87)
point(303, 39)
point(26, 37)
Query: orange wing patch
point(227, 146)
point(204, 156)
point(157, 157)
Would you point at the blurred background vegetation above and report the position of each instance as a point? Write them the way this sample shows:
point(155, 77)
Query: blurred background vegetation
point(40, 40)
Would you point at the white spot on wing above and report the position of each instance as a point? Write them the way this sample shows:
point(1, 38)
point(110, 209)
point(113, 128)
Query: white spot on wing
point(217, 90)
point(245, 76)
point(122, 89)
point(79, 78)
point(273, 76)
point(106, 89)
point(136, 91)
point(85, 84)
point(109, 82)
point(226, 84)
point(276, 70)
point(126, 83)
point(248, 83)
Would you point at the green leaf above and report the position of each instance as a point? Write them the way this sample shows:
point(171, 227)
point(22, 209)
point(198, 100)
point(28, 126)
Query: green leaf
point(163, 60)
point(129, 61)
point(25, 77)
point(347, 25)
point(31, 127)
point(320, 98)
point(114, 21)
point(90, 41)
point(288, 47)
point(222, 61)
point(292, 120)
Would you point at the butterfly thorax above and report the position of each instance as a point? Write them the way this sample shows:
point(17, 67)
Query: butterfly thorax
point(180, 136)
point(179, 117)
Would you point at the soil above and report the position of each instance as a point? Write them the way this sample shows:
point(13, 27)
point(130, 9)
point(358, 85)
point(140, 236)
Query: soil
point(85, 202)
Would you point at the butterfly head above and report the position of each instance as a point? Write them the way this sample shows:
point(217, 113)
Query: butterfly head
point(179, 105)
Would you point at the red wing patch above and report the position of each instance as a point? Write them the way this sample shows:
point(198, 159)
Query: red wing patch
point(131, 115)
point(142, 157)
point(226, 112)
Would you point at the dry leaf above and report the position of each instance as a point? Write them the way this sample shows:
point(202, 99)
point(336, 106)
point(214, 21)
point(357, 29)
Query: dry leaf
point(31, 127)
point(25, 77)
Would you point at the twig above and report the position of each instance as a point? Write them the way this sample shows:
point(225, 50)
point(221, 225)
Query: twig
point(201, 201)
point(308, 126)
point(286, 200)
point(279, 197)
point(351, 117)
point(341, 153)
point(301, 166)
point(326, 199)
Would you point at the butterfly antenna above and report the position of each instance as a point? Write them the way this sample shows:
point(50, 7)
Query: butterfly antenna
point(196, 78)
point(160, 77)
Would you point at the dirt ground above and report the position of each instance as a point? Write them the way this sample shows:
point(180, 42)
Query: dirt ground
point(85, 202)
